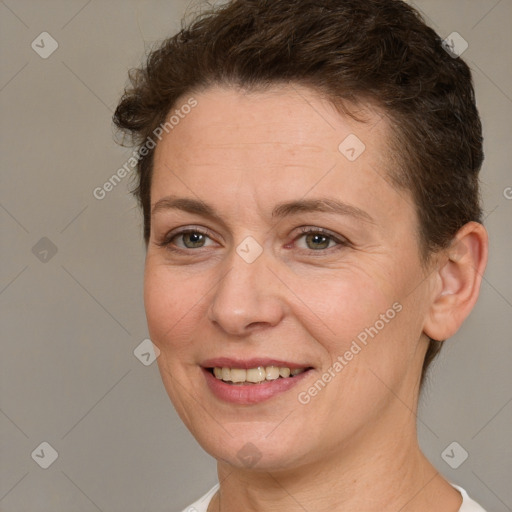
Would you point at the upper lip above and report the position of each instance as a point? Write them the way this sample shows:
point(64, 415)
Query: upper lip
point(228, 362)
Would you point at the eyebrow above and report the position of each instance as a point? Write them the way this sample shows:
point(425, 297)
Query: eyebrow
point(322, 205)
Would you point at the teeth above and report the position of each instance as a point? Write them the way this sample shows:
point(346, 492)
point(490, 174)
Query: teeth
point(272, 373)
point(226, 374)
point(237, 375)
point(254, 375)
point(284, 372)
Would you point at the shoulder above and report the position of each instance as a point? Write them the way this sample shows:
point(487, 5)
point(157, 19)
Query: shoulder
point(468, 505)
point(201, 505)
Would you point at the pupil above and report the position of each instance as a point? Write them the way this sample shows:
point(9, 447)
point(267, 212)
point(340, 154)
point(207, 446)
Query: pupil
point(321, 239)
point(195, 238)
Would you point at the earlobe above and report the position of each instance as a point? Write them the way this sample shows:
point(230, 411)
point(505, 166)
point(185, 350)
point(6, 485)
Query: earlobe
point(459, 275)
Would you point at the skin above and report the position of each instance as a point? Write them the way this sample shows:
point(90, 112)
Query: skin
point(354, 446)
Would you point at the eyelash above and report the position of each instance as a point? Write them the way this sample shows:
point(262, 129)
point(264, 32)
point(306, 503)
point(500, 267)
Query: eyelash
point(166, 242)
point(305, 230)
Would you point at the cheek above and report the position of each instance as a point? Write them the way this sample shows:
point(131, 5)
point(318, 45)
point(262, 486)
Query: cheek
point(368, 323)
point(340, 305)
point(172, 303)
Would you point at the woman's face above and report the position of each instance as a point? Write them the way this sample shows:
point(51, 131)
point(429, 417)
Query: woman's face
point(288, 248)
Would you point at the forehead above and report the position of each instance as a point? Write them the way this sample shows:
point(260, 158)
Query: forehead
point(293, 119)
point(247, 151)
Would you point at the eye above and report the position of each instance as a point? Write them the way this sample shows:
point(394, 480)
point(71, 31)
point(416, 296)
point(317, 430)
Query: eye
point(318, 239)
point(191, 238)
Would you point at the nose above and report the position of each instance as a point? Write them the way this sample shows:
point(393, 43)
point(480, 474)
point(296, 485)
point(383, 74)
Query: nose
point(247, 297)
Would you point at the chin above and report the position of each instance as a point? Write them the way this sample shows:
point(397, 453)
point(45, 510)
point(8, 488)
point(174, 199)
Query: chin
point(253, 451)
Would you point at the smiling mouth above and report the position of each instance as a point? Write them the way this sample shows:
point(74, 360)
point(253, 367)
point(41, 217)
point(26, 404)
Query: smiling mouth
point(258, 375)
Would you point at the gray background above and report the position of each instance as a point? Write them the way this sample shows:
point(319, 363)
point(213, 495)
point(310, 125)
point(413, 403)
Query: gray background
point(71, 320)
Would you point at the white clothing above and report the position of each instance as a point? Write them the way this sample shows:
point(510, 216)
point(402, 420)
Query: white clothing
point(201, 505)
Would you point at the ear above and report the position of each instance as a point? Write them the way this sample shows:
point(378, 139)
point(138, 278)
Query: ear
point(458, 276)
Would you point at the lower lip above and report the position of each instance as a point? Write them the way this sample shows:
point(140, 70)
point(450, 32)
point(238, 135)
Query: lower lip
point(248, 394)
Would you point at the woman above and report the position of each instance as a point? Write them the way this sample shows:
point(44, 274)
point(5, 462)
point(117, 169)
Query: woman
point(308, 174)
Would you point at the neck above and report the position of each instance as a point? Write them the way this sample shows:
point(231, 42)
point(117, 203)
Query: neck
point(374, 471)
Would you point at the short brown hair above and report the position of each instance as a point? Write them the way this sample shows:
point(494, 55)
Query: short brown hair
point(352, 51)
